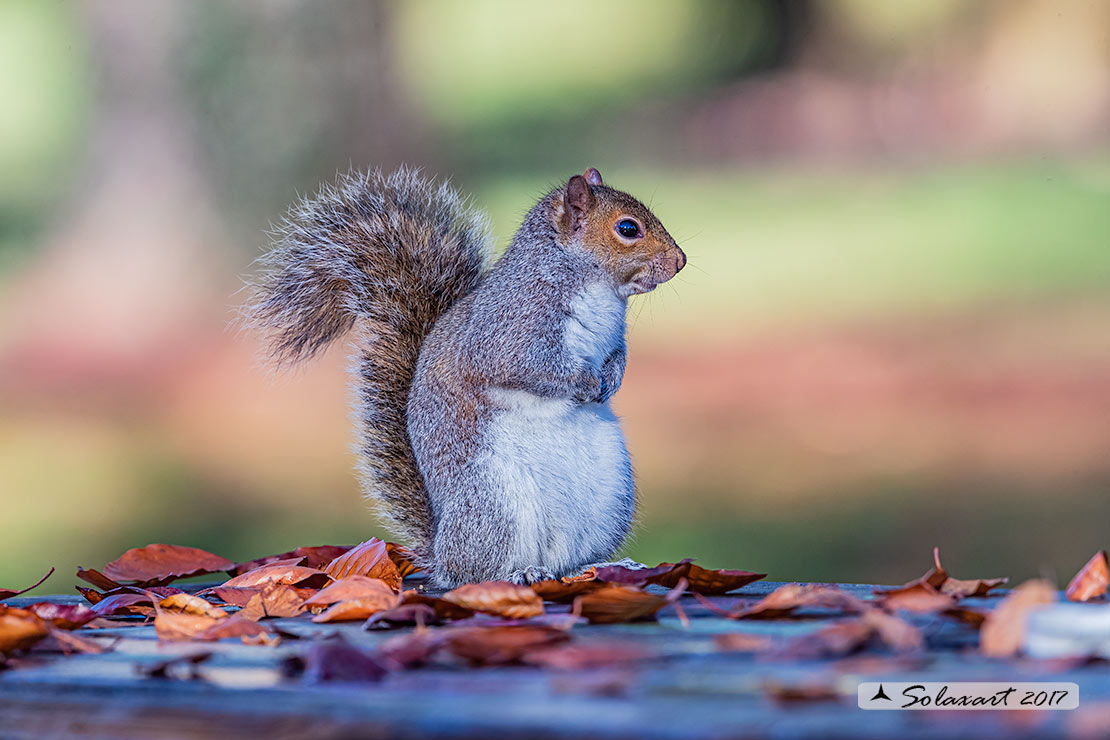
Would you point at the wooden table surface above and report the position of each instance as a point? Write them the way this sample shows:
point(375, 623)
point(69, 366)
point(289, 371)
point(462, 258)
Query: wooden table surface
point(685, 688)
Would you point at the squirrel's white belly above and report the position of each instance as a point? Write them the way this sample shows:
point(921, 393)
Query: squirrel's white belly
point(566, 477)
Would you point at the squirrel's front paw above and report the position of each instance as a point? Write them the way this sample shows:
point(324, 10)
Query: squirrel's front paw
point(589, 386)
point(531, 574)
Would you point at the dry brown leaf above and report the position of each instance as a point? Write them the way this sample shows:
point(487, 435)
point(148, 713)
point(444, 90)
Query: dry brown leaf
point(64, 616)
point(413, 648)
point(158, 563)
point(616, 603)
point(7, 593)
point(919, 598)
point(940, 580)
point(370, 559)
point(353, 610)
point(741, 642)
point(834, 641)
point(275, 600)
point(403, 558)
point(175, 627)
point(289, 575)
point(189, 604)
point(354, 587)
point(315, 556)
point(235, 626)
point(1004, 629)
point(499, 598)
point(501, 644)
point(563, 591)
point(705, 581)
point(786, 599)
point(897, 634)
point(403, 616)
point(1092, 580)
point(590, 574)
point(20, 628)
point(444, 610)
point(581, 657)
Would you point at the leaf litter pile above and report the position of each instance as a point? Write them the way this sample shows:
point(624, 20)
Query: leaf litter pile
point(379, 585)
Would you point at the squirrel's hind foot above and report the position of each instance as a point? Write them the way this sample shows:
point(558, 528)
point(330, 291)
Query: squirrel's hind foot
point(531, 574)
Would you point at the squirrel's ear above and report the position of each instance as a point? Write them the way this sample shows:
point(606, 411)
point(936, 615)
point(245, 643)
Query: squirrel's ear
point(593, 176)
point(578, 200)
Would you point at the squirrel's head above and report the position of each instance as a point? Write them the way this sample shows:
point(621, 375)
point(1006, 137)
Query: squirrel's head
point(627, 239)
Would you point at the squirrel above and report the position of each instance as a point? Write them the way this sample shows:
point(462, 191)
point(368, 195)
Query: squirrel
point(482, 388)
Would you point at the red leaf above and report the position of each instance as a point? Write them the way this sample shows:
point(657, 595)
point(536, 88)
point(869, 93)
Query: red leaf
point(289, 575)
point(124, 603)
point(786, 599)
point(635, 576)
point(20, 628)
point(96, 578)
point(6, 593)
point(338, 662)
point(498, 598)
point(503, 643)
point(159, 563)
point(705, 581)
point(315, 556)
point(617, 603)
point(354, 587)
point(64, 616)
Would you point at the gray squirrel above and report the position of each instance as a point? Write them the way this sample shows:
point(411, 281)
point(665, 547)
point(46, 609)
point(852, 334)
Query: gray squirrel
point(482, 389)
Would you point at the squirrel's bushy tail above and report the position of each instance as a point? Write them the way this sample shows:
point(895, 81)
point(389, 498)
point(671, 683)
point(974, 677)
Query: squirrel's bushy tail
point(386, 255)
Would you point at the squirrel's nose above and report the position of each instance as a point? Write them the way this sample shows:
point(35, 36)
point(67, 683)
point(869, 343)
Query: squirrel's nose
point(679, 259)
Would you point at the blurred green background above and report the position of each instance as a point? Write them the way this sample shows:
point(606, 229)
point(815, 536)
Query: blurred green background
point(892, 334)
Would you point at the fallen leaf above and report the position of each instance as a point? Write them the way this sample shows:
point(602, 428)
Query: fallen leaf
point(444, 610)
point(98, 579)
point(402, 616)
point(834, 641)
point(289, 575)
point(178, 627)
point(353, 610)
point(590, 574)
point(581, 657)
point(189, 604)
point(705, 581)
point(1092, 580)
point(797, 693)
point(785, 600)
point(315, 556)
point(617, 603)
point(498, 598)
point(413, 649)
point(896, 633)
point(64, 616)
point(501, 644)
point(370, 559)
point(741, 642)
point(273, 601)
point(940, 580)
point(7, 593)
point(354, 587)
point(563, 591)
point(235, 626)
point(635, 576)
point(157, 563)
point(338, 662)
point(403, 558)
point(124, 604)
point(920, 598)
point(1004, 629)
point(20, 628)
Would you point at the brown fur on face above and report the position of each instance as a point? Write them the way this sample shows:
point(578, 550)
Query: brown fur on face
point(588, 214)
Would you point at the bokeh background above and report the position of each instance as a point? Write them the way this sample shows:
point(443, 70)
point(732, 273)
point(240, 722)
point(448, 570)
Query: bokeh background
point(892, 334)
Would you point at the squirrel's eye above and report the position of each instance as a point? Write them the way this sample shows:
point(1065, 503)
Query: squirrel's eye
point(628, 228)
